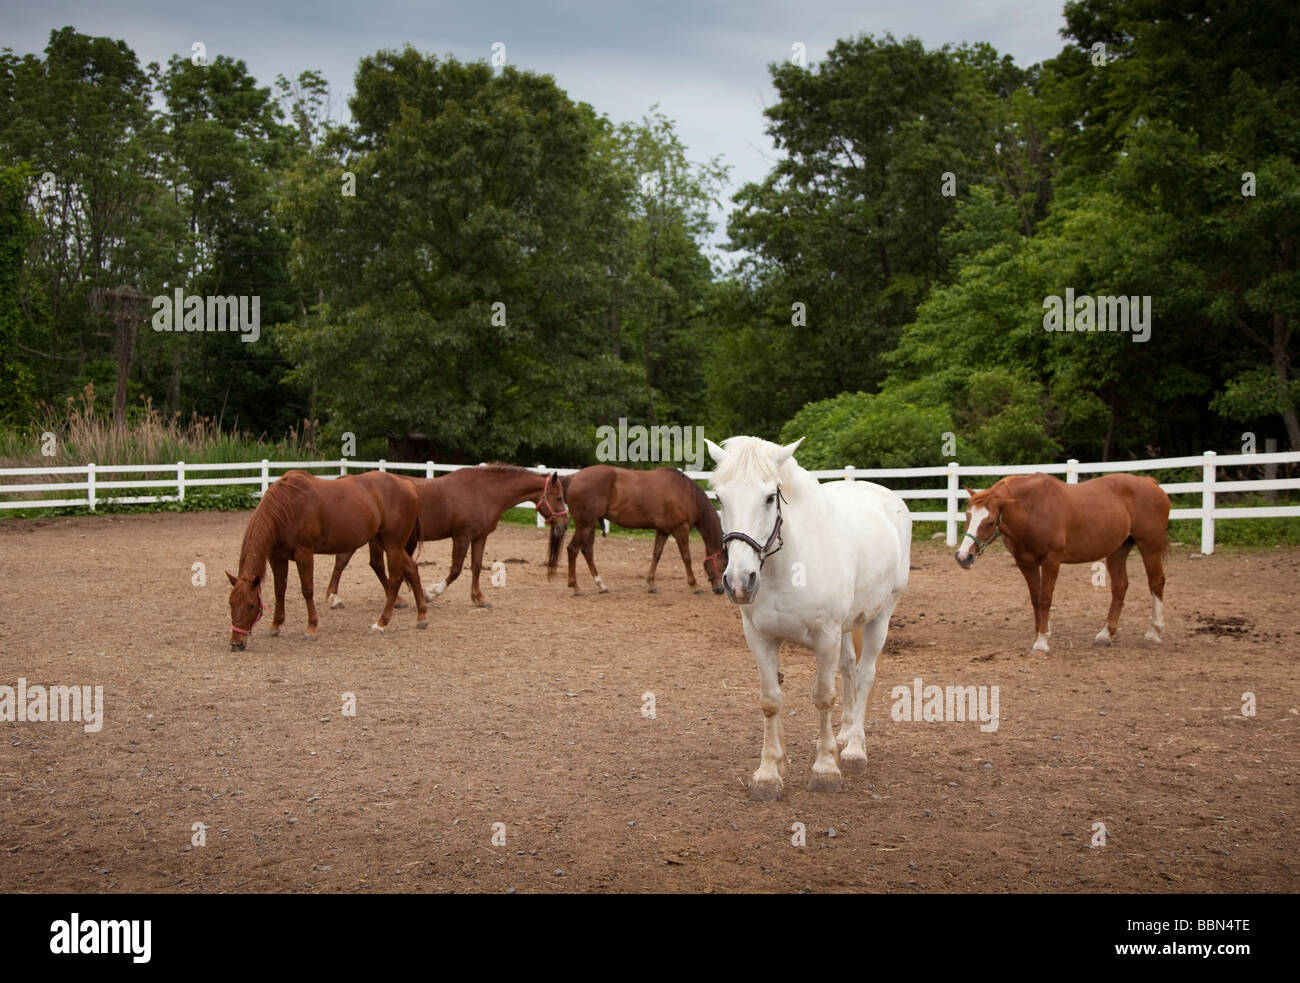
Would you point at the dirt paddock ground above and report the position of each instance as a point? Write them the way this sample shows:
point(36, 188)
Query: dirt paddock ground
point(530, 715)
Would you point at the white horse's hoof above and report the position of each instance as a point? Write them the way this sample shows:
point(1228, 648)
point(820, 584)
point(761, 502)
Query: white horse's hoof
point(766, 789)
point(1152, 636)
point(824, 781)
point(853, 762)
point(335, 601)
point(376, 627)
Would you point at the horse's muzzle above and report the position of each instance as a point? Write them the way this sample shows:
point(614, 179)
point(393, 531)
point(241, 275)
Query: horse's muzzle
point(967, 563)
point(717, 589)
point(745, 596)
point(237, 645)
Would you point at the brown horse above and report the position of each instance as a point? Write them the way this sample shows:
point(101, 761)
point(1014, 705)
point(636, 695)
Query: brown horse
point(301, 515)
point(1046, 522)
point(664, 500)
point(466, 506)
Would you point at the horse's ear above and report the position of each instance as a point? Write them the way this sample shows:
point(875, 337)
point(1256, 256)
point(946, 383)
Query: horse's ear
point(969, 491)
point(715, 452)
point(257, 581)
point(233, 579)
point(786, 452)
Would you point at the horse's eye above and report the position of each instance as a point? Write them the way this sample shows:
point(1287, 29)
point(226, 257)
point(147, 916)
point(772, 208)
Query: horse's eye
point(771, 499)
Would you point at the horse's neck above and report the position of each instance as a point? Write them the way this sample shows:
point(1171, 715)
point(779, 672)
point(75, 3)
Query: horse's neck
point(256, 550)
point(515, 487)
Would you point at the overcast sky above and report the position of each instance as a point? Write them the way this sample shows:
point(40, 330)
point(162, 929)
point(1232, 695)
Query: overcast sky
point(705, 64)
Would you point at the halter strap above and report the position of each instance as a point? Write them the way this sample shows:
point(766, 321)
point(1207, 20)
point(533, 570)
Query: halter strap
point(979, 546)
point(766, 549)
point(256, 618)
point(541, 501)
point(717, 570)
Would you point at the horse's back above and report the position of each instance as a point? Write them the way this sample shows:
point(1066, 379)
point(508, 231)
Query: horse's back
point(877, 511)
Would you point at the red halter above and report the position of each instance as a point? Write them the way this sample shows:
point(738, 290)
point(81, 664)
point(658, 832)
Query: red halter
point(541, 501)
point(717, 570)
point(256, 618)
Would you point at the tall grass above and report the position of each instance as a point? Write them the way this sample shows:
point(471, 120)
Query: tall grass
point(83, 433)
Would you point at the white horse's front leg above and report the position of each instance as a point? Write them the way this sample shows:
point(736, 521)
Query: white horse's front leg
point(826, 769)
point(766, 785)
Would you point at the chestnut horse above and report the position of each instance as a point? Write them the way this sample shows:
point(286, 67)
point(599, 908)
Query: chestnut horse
point(1046, 522)
point(466, 506)
point(301, 515)
point(664, 500)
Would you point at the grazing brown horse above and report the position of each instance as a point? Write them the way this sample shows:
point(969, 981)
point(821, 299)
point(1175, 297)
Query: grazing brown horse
point(466, 506)
point(301, 515)
point(664, 500)
point(1046, 522)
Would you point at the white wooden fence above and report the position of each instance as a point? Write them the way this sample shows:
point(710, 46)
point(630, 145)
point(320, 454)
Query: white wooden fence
point(104, 483)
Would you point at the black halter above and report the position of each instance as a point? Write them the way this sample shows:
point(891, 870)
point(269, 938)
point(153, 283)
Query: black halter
point(766, 549)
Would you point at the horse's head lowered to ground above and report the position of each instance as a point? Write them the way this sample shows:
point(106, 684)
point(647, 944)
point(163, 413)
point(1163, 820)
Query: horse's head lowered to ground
point(748, 485)
point(983, 522)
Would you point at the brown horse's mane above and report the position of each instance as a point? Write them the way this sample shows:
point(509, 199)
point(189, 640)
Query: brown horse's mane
point(508, 468)
point(273, 511)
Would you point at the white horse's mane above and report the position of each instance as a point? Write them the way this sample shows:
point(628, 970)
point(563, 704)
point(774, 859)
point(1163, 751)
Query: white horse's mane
point(749, 459)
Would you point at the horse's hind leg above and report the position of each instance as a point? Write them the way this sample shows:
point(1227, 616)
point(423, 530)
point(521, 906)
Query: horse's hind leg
point(1153, 560)
point(377, 565)
point(458, 547)
point(573, 549)
point(589, 553)
point(850, 646)
point(871, 641)
point(411, 574)
point(683, 536)
point(475, 566)
point(1117, 570)
point(332, 592)
point(397, 559)
point(303, 558)
point(661, 537)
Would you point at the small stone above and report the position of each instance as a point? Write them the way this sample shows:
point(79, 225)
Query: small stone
point(1056, 737)
point(292, 821)
point(558, 872)
point(94, 815)
point(831, 832)
point(987, 766)
point(952, 784)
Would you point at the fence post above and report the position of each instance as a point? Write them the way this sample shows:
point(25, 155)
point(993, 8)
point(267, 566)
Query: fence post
point(950, 535)
point(266, 474)
point(343, 467)
point(180, 481)
point(1072, 471)
point(1207, 504)
point(428, 469)
point(382, 462)
point(90, 483)
point(848, 473)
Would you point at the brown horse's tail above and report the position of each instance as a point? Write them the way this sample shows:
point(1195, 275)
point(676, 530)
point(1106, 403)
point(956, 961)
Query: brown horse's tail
point(416, 539)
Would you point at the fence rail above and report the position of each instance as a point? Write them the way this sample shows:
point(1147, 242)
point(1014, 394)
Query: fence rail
point(102, 481)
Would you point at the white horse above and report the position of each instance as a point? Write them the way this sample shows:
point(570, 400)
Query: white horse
point(816, 565)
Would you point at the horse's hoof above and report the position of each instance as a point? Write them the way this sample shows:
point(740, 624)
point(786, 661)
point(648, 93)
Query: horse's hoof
point(1041, 644)
point(429, 595)
point(336, 602)
point(605, 590)
point(824, 781)
point(1103, 638)
point(400, 604)
point(651, 590)
point(422, 624)
point(376, 627)
point(483, 604)
point(765, 789)
point(1151, 636)
point(308, 637)
point(853, 762)
point(274, 632)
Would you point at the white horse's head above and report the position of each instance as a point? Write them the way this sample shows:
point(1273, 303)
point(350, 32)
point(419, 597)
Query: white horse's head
point(748, 485)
